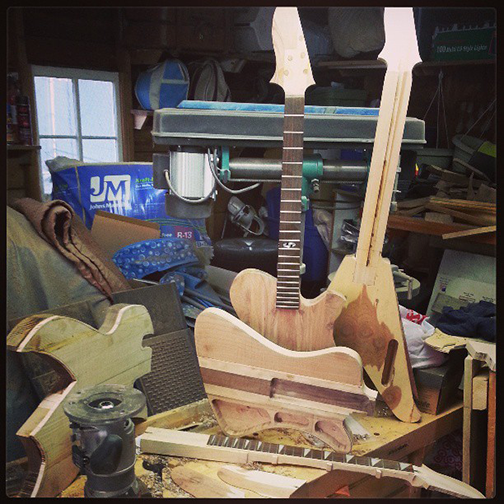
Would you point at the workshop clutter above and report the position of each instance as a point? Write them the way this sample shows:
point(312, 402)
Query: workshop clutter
point(119, 188)
point(164, 85)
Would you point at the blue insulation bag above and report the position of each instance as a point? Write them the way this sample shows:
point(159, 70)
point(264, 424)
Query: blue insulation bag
point(122, 189)
point(165, 85)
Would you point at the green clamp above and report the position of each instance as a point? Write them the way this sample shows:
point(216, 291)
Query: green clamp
point(225, 172)
point(313, 168)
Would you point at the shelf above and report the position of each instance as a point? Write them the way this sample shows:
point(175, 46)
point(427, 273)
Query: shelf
point(417, 225)
point(377, 64)
point(23, 147)
point(18, 150)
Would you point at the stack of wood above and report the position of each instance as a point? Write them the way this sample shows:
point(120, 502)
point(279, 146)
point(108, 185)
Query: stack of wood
point(461, 198)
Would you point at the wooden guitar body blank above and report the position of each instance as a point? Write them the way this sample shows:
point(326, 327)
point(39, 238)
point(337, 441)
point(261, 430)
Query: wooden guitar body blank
point(370, 323)
point(310, 327)
point(253, 384)
point(83, 356)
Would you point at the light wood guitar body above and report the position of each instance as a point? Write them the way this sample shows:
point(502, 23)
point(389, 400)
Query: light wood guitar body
point(370, 323)
point(310, 327)
point(83, 356)
point(253, 384)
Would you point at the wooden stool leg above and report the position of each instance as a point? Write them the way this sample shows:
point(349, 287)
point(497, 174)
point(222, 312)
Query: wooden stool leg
point(490, 470)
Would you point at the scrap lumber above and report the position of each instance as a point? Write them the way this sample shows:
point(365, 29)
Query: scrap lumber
point(470, 232)
point(202, 486)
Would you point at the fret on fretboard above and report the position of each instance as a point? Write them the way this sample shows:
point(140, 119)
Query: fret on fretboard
point(290, 239)
point(309, 453)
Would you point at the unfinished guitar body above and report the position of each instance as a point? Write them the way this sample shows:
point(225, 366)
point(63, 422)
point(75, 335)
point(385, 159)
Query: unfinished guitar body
point(83, 356)
point(309, 327)
point(254, 384)
point(370, 323)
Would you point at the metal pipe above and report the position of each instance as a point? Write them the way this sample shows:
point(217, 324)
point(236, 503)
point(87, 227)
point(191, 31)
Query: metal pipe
point(271, 169)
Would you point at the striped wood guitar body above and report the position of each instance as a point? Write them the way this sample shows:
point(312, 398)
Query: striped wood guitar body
point(253, 384)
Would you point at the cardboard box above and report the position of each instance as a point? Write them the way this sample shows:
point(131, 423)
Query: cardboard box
point(466, 277)
point(113, 232)
point(437, 387)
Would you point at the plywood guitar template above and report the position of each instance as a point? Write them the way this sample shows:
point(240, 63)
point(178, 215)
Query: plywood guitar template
point(370, 322)
point(253, 384)
point(245, 451)
point(273, 306)
point(83, 356)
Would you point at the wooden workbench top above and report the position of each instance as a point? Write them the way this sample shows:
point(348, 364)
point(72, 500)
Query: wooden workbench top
point(389, 439)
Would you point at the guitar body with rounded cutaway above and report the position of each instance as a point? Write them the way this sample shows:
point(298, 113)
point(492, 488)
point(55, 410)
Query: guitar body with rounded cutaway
point(309, 327)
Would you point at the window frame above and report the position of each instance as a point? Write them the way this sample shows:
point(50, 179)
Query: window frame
point(75, 74)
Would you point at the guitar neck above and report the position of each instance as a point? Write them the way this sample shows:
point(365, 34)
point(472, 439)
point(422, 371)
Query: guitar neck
point(290, 231)
point(384, 163)
point(236, 450)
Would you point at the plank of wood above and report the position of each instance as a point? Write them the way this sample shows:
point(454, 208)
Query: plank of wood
point(438, 217)
point(411, 211)
point(264, 483)
point(254, 384)
point(470, 232)
point(202, 486)
point(445, 343)
point(175, 418)
point(421, 226)
point(412, 203)
point(253, 296)
point(84, 356)
point(481, 219)
point(492, 419)
point(483, 351)
point(480, 391)
point(466, 205)
point(471, 367)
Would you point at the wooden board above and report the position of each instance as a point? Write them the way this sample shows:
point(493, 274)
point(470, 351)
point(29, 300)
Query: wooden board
point(308, 328)
point(445, 343)
point(483, 351)
point(261, 482)
point(491, 468)
point(202, 486)
point(254, 384)
point(470, 232)
point(84, 357)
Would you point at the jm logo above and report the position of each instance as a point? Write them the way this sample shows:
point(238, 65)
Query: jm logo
point(110, 188)
point(289, 245)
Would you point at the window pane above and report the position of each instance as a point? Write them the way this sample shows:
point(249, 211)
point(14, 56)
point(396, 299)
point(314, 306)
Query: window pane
point(97, 108)
point(99, 151)
point(52, 147)
point(55, 106)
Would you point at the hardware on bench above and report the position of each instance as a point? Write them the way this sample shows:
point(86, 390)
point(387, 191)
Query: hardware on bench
point(104, 439)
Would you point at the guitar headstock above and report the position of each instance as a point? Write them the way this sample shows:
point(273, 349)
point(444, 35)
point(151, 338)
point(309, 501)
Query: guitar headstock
point(401, 46)
point(293, 71)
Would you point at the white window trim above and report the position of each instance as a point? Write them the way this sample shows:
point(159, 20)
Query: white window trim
point(76, 74)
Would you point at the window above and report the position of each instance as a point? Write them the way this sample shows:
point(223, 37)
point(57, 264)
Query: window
point(77, 115)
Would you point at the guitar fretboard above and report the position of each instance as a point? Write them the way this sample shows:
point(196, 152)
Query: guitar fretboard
point(289, 242)
point(308, 453)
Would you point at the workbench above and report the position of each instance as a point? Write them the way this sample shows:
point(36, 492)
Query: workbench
point(390, 439)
